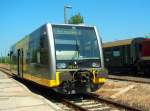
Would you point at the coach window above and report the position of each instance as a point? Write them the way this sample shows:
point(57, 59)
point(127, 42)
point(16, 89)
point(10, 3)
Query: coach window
point(43, 49)
point(116, 52)
point(33, 46)
point(33, 56)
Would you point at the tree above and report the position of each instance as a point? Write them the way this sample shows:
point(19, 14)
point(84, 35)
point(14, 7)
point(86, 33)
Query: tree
point(147, 35)
point(76, 19)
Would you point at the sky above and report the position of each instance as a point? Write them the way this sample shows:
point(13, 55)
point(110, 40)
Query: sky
point(115, 19)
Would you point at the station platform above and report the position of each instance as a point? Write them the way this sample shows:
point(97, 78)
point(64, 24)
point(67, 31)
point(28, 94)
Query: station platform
point(14, 96)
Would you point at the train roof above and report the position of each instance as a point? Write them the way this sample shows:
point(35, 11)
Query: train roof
point(82, 25)
point(27, 36)
point(120, 42)
point(147, 39)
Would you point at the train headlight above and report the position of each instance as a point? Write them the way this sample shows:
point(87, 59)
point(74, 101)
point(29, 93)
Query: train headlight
point(61, 65)
point(95, 64)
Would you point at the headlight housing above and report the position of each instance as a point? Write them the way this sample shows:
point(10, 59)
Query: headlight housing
point(61, 65)
point(95, 64)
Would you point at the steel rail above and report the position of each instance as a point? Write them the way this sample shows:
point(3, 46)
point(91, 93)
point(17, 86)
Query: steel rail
point(6, 72)
point(114, 103)
point(134, 79)
point(70, 104)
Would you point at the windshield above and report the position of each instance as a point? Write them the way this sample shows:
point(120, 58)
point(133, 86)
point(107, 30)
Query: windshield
point(75, 42)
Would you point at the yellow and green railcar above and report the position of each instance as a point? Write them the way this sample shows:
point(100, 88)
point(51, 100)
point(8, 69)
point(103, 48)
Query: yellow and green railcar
point(67, 58)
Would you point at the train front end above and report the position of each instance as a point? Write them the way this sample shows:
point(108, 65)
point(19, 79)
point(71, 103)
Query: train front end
point(78, 59)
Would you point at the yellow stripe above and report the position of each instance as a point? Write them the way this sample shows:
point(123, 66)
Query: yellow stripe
point(54, 83)
point(100, 80)
point(43, 81)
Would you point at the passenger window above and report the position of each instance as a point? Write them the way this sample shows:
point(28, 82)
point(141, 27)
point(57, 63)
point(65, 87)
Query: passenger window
point(116, 53)
point(43, 54)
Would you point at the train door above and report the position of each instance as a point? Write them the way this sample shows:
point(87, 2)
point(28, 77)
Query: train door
point(126, 55)
point(116, 57)
point(107, 56)
point(20, 62)
point(139, 51)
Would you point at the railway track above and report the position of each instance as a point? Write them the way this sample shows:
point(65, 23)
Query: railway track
point(132, 79)
point(83, 104)
point(92, 102)
point(86, 102)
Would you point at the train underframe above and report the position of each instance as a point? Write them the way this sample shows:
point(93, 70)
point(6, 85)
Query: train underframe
point(141, 67)
point(144, 67)
point(81, 81)
point(123, 69)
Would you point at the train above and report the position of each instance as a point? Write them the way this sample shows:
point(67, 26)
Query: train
point(63, 57)
point(129, 55)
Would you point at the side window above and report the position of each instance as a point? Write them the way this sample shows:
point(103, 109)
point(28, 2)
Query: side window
point(33, 51)
point(38, 47)
point(116, 53)
point(43, 55)
point(34, 47)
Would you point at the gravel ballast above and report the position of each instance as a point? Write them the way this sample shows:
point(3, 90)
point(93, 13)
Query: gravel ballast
point(138, 95)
